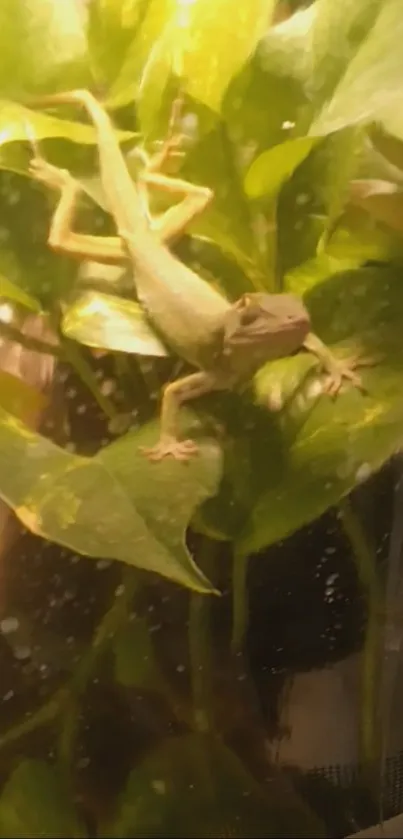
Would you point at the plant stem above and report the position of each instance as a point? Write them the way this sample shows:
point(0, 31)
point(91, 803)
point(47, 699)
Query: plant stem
point(239, 600)
point(64, 704)
point(104, 634)
point(200, 645)
point(366, 567)
point(43, 716)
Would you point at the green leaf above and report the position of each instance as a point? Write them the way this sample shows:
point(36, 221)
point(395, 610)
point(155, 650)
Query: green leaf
point(195, 786)
point(229, 220)
point(272, 168)
point(116, 505)
point(295, 69)
point(34, 802)
point(266, 102)
point(25, 258)
point(19, 123)
point(357, 236)
point(303, 450)
point(381, 199)
point(112, 323)
point(316, 270)
point(134, 657)
point(113, 27)
point(42, 43)
point(204, 43)
point(11, 291)
point(311, 200)
point(338, 30)
point(211, 41)
point(145, 34)
point(371, 84)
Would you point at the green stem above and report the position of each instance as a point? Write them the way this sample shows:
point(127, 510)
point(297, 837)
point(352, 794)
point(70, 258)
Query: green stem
point(43, 716)
point(64, 704)
point(103, 636)
point(366, 566)
point(200, 646)
point(239, 600)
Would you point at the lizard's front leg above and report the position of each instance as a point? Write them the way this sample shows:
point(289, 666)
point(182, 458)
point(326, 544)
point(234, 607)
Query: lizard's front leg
point(175, 394)
point(336, 369)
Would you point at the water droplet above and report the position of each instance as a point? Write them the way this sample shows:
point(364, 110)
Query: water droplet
point(9, 625)
point(22, 653)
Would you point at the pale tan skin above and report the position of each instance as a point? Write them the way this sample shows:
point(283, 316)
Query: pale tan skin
point(227, 342)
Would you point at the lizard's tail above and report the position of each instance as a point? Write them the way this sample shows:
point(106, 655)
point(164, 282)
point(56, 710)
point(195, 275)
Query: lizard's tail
point(120, 191)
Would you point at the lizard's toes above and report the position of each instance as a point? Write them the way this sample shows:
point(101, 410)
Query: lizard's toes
point(175, 143)
point(180, 450)
point(343, 370)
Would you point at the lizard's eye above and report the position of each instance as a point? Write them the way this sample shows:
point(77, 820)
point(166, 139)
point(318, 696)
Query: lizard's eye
point(248, 316)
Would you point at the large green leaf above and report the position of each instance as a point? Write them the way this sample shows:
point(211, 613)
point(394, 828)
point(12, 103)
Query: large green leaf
point(19, 123)
point(371, 84)
point(116, 505)
point(313, 197)
point(34, 802)
point(336, 34)
point(113, 323)
point(146, 23)
point(294, 70)
point(42, 43)
point(113, 28)
point(229, 219)
point(291, 465)
point(269, 171)
point(266, 102)
point(318, 269)
point(359, 237)
point(204, 43)
point(209, 40)
point(25, 258)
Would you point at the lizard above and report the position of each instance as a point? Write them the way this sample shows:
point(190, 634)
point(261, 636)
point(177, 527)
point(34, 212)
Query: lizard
point(225, 341)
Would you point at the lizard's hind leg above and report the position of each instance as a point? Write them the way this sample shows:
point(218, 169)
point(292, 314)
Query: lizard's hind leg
point(62, 238)
point(195, 198)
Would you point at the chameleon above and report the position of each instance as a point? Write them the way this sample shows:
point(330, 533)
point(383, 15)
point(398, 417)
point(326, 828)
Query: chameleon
point(225, 341)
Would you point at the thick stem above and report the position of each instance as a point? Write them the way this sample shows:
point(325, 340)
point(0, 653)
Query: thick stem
point(239, 601)
point(201, 644)
point(366, 566)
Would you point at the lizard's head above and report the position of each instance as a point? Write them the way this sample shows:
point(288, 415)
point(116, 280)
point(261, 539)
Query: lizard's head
point(277, 324)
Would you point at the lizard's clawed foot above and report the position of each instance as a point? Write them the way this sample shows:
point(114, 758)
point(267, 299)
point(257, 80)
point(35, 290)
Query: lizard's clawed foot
point(170, 447)
point(169, 148)
point(346, 369)
point(45, 173)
